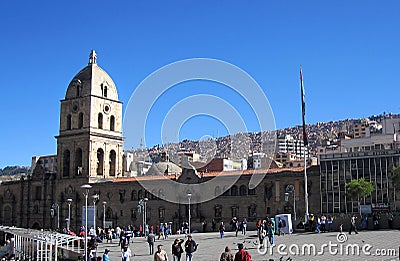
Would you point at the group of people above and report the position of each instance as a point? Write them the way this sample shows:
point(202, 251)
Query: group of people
point(320, 223)
point(177, 250)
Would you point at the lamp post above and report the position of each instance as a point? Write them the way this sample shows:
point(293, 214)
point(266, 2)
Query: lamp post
point(104, 215)
point(95, 198)
point(145, 215)
point(69, 201)
point(189, 195)
point(291, 189)
point(56, 206)
point(87, 188)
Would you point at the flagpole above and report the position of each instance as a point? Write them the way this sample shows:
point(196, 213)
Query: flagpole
point(305, 141)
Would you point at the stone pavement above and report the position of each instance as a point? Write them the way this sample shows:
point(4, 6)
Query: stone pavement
point(367, 245)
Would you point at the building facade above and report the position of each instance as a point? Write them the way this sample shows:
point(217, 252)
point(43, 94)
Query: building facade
point(337, 169)
point(89, 151)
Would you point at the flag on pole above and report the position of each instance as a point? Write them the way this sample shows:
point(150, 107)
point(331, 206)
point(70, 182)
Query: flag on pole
point(303, 109)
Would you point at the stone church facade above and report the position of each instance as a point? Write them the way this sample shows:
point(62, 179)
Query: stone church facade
point(90, 151)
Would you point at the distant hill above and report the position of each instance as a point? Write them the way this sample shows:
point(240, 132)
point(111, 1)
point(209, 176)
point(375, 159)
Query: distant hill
point(14, 170)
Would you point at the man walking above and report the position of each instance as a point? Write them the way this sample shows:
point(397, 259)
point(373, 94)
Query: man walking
point(190, 248)
point(151, 238)
point(353, 226)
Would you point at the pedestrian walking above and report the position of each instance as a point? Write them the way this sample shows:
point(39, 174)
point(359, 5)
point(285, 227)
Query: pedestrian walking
point(105, 255)
point(177, 249)
point(151, 238)
point(221, 229)
point(190, 248)
point(353, 225)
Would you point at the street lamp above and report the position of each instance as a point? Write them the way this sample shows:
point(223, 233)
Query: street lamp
point(95, 198)
point(104, 215)
point(86, 187)
point(189, 195)
point(69, 201)
point(56, 206)
point(290, 189)
point(145, 215)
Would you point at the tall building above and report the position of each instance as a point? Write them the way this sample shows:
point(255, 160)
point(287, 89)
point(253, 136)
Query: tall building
point(90, 140)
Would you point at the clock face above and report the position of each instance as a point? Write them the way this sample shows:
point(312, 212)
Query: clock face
point(107, 108)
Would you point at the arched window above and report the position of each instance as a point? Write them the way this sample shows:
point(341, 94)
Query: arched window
point(112, 123)
point(66, 161)
point(69, 121)
point(80, 121)
point(217, 191)
point(112, 162)
point(78, 161)
point(234, 190)
point(100, 120)
point(133, 195)
point(140, 194)
point(100, 161)
point(78, 90)
point(243, 190)
point(105, 91)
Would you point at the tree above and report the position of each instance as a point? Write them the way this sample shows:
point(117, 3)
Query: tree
point(358, 189)
point(396, 178)
point(396, 183)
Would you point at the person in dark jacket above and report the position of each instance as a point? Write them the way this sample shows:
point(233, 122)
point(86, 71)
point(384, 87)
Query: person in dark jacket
point(190, 248)
point(177, 249)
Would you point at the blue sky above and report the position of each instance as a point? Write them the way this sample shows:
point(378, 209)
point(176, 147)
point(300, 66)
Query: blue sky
point(349, 50)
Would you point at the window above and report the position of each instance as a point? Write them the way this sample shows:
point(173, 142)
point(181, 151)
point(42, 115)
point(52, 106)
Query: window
point(100, 120)
point(112, 123)
point(217, 191)
point(112, 162)
point(234, 190)
point(100, 161)
point(161, 213)
point(69, 121)
point(66, 163)
point(243, 190)
point(133, 195)
point(38, 193)
point(140, 194)
point(235, 211)
point(80, 121)
point(105, 91)
point(78, 161)
point(218, 211)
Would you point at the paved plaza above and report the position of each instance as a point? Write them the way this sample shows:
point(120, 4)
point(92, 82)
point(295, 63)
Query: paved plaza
point(367, 245)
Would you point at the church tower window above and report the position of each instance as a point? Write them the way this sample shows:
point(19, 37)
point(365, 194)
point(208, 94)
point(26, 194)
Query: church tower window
point(78, 161)
point(112, 162)
point(69, 121)
point(100, 161)
point(100, 120)
point(80, 122)
point(112, 123)
point(66, 163)
point(105, 91)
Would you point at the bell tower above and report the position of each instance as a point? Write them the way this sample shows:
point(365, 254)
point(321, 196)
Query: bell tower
point(90, 139)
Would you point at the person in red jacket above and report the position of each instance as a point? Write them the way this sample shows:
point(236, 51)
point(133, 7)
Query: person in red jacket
point(242, 255)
